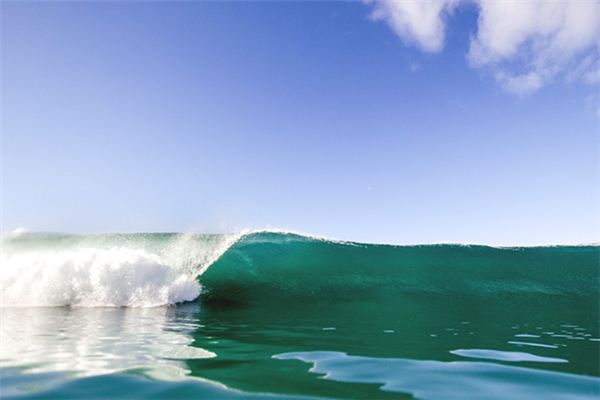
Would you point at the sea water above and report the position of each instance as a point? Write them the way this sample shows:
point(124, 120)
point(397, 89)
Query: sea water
point(276, 314)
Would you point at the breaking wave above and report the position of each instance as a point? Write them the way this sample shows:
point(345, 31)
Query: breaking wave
point(144, 270)
point(134, 270)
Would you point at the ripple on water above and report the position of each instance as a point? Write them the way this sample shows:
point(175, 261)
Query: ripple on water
point(549, 346)
point(458, 379)
point(512, 356)
point(528, 335)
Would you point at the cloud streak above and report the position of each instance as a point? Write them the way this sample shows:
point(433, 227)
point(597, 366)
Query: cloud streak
point(523, 44)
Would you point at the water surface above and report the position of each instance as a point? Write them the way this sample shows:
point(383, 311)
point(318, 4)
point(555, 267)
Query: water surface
point(283, 315)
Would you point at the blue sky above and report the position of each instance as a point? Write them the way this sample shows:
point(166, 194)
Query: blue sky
point(348, 120)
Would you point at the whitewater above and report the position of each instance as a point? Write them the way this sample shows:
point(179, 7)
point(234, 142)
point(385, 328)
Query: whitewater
point(133, 270)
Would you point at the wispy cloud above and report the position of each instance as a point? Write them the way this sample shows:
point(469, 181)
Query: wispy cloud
point(523, 44)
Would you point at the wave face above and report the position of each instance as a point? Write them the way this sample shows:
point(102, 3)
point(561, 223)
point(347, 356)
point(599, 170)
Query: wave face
point(159, 269)
point(277, 265)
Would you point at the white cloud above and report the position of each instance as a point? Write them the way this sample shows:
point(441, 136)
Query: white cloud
point(416, 22)
point(524, 44)
point(528, 43)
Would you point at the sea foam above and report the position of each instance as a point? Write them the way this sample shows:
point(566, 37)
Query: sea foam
point(95, 272)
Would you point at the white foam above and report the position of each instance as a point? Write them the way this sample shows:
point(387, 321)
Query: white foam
point(15, 233)
point(129, 275)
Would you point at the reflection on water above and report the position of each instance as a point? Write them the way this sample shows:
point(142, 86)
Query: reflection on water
point(512, 356)
point(353, 350)
point(438, 380)
point(438, 340)
point(95, 341)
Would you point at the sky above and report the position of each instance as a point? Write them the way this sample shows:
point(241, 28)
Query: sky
point(394, 122)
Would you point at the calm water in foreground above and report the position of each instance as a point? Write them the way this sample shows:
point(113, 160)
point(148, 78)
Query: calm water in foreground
point(283, 315)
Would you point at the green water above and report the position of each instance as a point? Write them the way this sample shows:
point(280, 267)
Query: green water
point(283, 315)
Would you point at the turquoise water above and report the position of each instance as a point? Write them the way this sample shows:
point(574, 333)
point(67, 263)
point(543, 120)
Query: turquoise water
point(272, 314)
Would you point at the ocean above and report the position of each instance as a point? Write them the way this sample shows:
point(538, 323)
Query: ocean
point(274, 314)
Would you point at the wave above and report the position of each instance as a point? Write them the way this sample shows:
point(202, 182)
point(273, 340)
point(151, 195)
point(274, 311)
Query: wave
point(142, 270)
